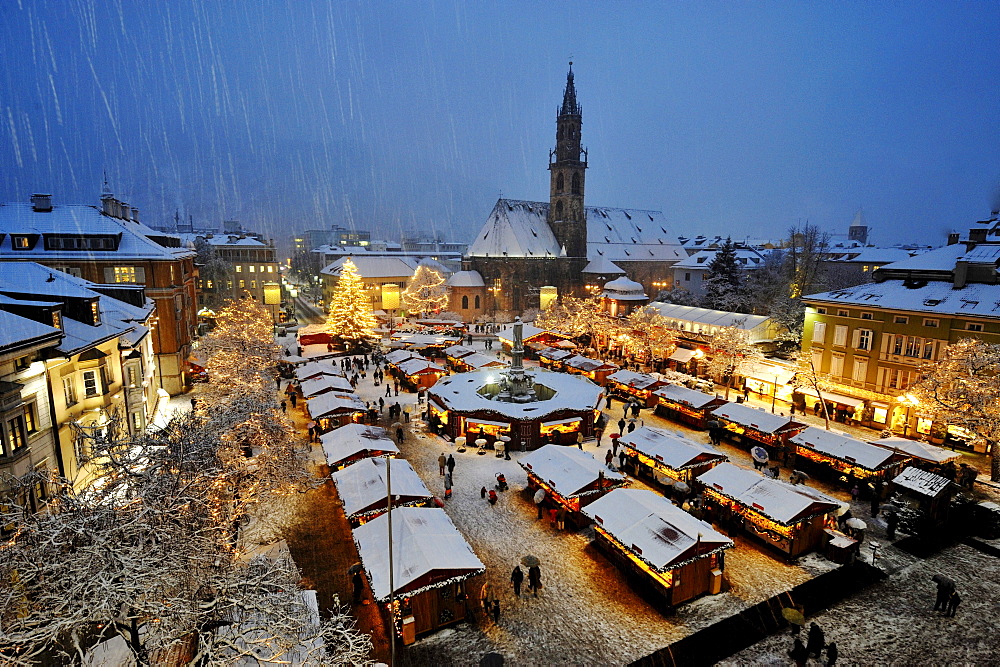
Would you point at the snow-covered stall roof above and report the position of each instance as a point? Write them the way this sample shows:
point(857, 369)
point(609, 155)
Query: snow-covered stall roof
point(334, 403)
point(706, 317)
point(691, 397)
point(633, 379)
point(922, 482)
point(555, 353)
point(419, 365)
point(458, 351)
point(361, 486)
point(623, 289)
point(769, 371)
point(315, 369)
point(572, 392)
point(324, 383)
point(479, 360)
point(843, 447)
point(399, 356)
point(774, 498)
point(587, 364)
point(918, 450)
point(567, 470)
point(653, 528)
point(350, 440)
point(427, 551)
point(528, 332)
point(761, 420)
point(672, 449)
point(419, 340)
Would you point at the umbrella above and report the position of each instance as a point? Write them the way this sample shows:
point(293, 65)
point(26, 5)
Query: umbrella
point(615, 435)
point(888, 508)
point(504, 438)
point(396, 425)
point(856, 523)
point(759, 454)
point(530, 561)
point(793, 615)
point(942, 580)
point(843, 509)
point(800, 474)
point(357, 567)
point(681, 487)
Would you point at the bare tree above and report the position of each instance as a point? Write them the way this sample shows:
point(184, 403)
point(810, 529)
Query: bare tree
point(732, 354)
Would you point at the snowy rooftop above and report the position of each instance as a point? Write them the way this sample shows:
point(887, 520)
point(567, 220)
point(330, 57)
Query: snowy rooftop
point(399, 356)
point(362, 485)
point(424, 542)
point(527, 333)
point(555, 353)
point(325, 383)
point(939, 259)
point(769, 371)
point(419, 365)
point(568, 470)
point(691, 397)
point(922, 482)
point(873, 256)
point(672, 449)
point(17, 331)
point(763, 421)
point(353, 439)
point(706, 316)
point(843, 447)
point(973, 300)
point(376, 267)
point(466, 279)
point(425, 340)
point(478, 361)
point(602, 266)
point(779, 500)
point(746, 258)
point(653, 527)
point(520, 229)
point(573, 392)
point(918, 450)
point(587, 364)
point(334, 402)
point(316, 368)
point(458, 351)
point(134, 243)
point(633, 379)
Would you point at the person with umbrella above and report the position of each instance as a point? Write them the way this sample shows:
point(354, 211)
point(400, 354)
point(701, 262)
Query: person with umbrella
point(891, 523)
point(534, 577)
point(539, 499)
point(760, 457)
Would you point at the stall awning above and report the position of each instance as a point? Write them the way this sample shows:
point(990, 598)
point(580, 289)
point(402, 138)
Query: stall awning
point(682, 355)
point(485, 422)
point(560, 422)
point(849, 401)
point(769, 373)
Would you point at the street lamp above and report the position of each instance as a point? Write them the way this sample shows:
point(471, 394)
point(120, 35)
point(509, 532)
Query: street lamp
point(909, 400)
point(390, 301)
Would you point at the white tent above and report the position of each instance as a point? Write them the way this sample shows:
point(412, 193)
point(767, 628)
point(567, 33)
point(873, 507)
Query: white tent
point(568, 470)
point(352, 440)
point(362, 487)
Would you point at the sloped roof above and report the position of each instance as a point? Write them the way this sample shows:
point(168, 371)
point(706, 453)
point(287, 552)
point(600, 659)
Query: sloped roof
point(466, 279)
point(918, 450)
point(419, 365)
point(976, 300)
point(424, 541)
point(324, 383)
point(334, 402)
point(680, 394)
point(315, 368)
point(672, 449)
point(843, 447)
point(20, 332)
point(602, 266)
point(763, 421)
point(362, 485)
point(376, 267)
point(478, 360)
point(777, 499)
point(746, 258)
point(568, 470)
point(572, 392)
point(922, 482)
point(663, 532)
point(939, 259)
point(353, 439)
point(633, 379)
point(707, 316)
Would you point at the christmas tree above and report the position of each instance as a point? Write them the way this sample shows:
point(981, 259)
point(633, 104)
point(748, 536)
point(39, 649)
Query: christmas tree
point(426, 292)
point(351, 318)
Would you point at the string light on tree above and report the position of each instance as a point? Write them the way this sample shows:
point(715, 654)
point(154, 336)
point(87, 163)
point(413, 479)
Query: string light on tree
point(351, 318)
point(427, 291)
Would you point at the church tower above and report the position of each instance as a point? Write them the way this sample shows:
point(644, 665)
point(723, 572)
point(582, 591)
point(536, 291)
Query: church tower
point(567, 216)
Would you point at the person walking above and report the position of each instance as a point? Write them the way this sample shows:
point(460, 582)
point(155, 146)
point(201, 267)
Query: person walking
point(891, 523)
point(381, 404)
point(534, 579)
point(831, 654)
point(451, 464)
point(442, 462)
point(516, 578)
point(561, 518)
point(496, 611)
point(631, 426)
point(447, 485)
point(607, 402)
point(953, 601)
point(621, 425)
point(815, 643)
point(799, 654)
point(358, 585)
point(635, 410)
point(579, 440)
point(399, 435)
point(388, 391)
point(283, 407)
point(539, 499)
point(293, 397)
point(608, 458)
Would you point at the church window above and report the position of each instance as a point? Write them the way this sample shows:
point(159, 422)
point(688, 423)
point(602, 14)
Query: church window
point(576, 183)
point(465, 303)
point(559, 210)
point(560, 183)
point(477, 302)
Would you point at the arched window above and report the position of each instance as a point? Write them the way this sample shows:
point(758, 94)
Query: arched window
point(576, 183)
point(477, 302)
point(465, 303)
point(560, 183)
point(559, 210)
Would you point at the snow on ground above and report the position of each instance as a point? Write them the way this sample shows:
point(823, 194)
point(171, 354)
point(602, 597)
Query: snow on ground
point(893, 622)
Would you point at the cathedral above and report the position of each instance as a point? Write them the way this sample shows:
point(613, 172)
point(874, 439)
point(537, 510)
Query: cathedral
point(563, 243)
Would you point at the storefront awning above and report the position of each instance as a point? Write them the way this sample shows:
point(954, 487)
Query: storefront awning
point(849, 401)
point(682, 355)
point(769, 373)
point(485, 422)
point(560, 422)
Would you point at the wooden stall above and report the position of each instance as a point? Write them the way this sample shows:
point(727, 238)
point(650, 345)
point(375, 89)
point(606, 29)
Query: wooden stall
point(640, 386)
point(750, 427)
point(662, 549)
point(593, 369)
point(363, 492)
point(687, 406)
point(323, 384)
point(787, 517)
point(315, 369)
point(666, 457)
point(478, 362)
point(840, 455)
point(436, 578)
point(530, 334)
point(923, 455)
point(354, 442)
point(397, 357)
point(334, 409)
point(454, 354)
point(420, 373)
point(571, 477)
point(553, 357)
point(924, 497)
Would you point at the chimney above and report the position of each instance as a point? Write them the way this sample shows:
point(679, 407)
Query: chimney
point(977, 235)
point(41, 203)
point(953, 238)
point(135, 214)
point(960, 274)
point(126, 211)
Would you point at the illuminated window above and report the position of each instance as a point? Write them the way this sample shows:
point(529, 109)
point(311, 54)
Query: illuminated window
point(270, 269)
point(243, 284)
point(879, 415)
point(923, 425)
point(239, 268)
point(252, 268)
point(96, 312)
point(124, 274)
point(253, 284)
point(90, 384)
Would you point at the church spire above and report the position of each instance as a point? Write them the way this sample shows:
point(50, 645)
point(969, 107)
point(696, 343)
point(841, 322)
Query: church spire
point(569, 105)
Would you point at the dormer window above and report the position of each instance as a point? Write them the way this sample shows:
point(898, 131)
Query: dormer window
point(95, 311)
point(57, 319)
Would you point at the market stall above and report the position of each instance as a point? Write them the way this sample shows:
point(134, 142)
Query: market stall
point(787, 517)
point(662, 549)
point(924, 499)
point(322, 384)
point(752, 426)
point(553, 357)
point(397, 357)
point(593, 369)
point(841, 408)
point(639, 386)
point(530, 334)
point(363, 492)
point(315, 369)
point(844, 456)
point(688, 406)
point(923, 453)
point(478, 362)
point(455, 353)
point(334, 409)
point(435, 579)
point(354, 442)
point(570, 477)
point(420, 373)
point(666, 457)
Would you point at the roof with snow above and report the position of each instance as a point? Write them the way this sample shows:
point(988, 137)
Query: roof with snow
point(701, 318)
point(602, 266)
point(135, 240)
point(315, 369)
point(633, 379)
point(459, 351)
point(918, 450)
point(419, 365)
point(922, 482)
point(672, 449)
point(568, 470)
point(520, 229)
point(653, 528)
point(466, 279)
point(399, 356)
point(528, 332)
point(691, 397)
point(746, 258)
point(761, 420)
point(351, 440)
point(844, 447)
point(324, 383)
point(587, 364)
point(869, 255)
point(774, 498)
point(219, 239)
point(376, 267)
point(332, 403)
point(623, 289)
point(478, 361)
point(572, 392)
point(555, 353)
point(18, 332)
point(976, 300)
point(361, 486)
point(427, 550)
point(939, 259)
